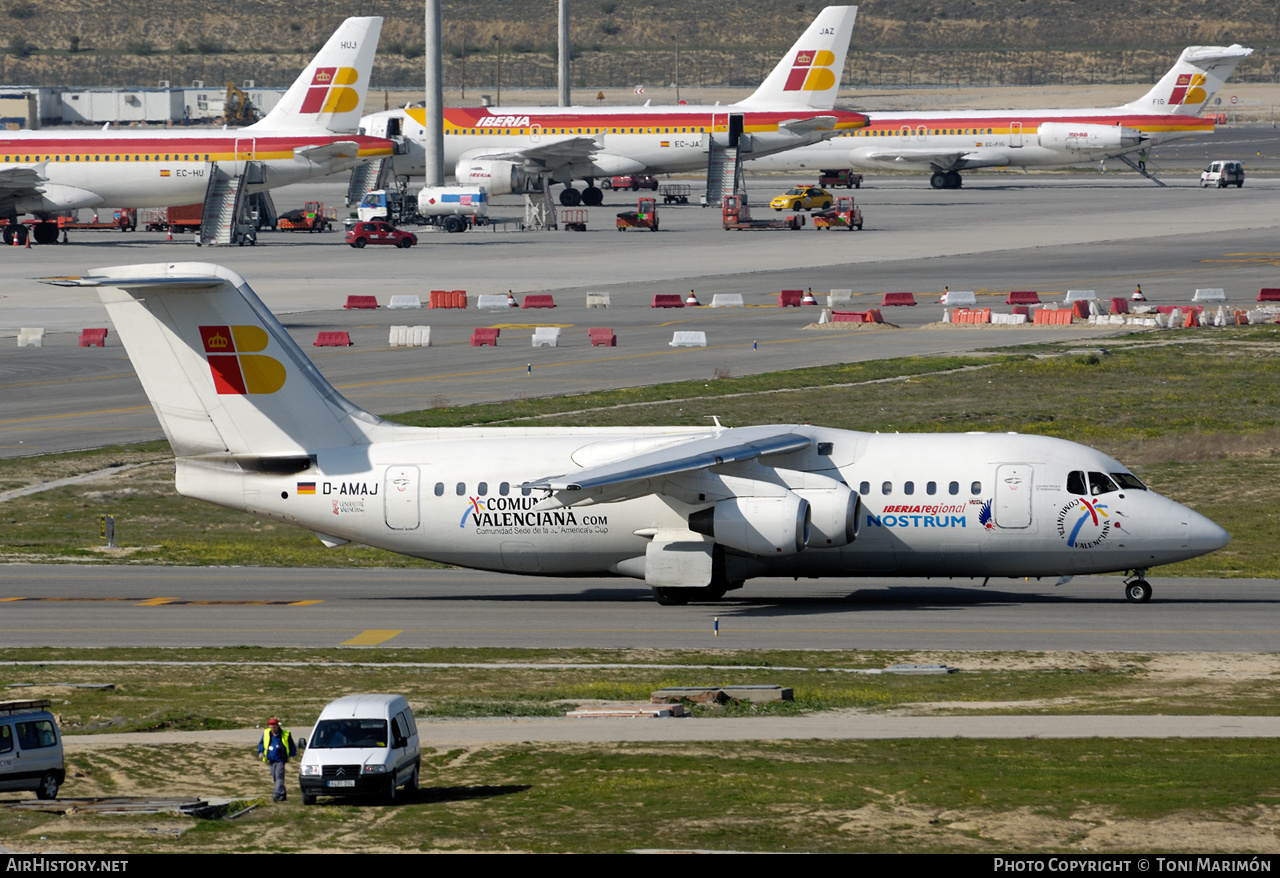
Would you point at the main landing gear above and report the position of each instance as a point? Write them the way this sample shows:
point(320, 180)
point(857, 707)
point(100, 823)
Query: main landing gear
point(946, 180)
point(1137, 590)
point(591, 196)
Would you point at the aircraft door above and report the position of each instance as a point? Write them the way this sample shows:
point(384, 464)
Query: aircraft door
point(535, 133)
point(736, 124)
point(921, 133)
point(244, 149)
point(1012, 505)
point(400, 497)
point(1015, 134)
point(905, 133)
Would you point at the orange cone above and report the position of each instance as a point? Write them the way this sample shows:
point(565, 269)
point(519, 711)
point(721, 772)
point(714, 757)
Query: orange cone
point(808, 298)
point(511, 300)
point(27, 238)
point(692, 300)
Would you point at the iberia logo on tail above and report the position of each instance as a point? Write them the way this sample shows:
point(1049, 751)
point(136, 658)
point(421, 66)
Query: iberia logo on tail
point(1188, 90)
point(328, 92)
point(236, 367)
point(811, 71)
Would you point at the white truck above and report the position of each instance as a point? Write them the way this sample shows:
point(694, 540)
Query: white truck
point(453, 208)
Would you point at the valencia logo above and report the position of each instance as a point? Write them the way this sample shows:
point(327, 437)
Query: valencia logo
point(328, 92)
point(811, 71)
point(236, 366)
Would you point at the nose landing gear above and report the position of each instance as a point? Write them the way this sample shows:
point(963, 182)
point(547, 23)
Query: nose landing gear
point(1137, 590)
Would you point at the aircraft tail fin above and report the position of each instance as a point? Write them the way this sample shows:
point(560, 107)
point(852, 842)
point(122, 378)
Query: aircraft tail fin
point(221, 372)
point(329, 96)
point(808, 76)
point(1193, 81)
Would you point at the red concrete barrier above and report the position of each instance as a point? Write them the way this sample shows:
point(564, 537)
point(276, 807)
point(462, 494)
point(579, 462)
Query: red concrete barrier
point(665, 301)
point(898, 299)
point(367, 303)
point(93, 338)
point(1046, 317)
point(1080, 309)
point(484, 335)
point(539, 301)
point(1023, 297)
point(1022, 309)
point(1269, 294)
point(790, 298)
point(448, 299)
point(1119, 306)
point(326, 339)
point(602, 336)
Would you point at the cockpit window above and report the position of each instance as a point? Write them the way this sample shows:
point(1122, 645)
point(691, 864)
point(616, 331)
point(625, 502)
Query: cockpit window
point(1100, 484)
point(1128, 482)
point(1075, 483)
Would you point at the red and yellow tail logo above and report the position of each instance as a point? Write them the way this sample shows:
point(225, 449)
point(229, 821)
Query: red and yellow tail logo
point(811, 71)
point(236, 368)
point(1187, 90)
point(328, 92)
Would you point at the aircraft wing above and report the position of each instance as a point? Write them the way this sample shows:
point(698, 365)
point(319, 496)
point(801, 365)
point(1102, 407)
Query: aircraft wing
point(949, 160)
point(634, 475)
point(559, 152)
point(323, 152)
point(14, 181)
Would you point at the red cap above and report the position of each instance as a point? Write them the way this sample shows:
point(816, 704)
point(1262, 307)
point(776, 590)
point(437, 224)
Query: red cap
point(273, 722)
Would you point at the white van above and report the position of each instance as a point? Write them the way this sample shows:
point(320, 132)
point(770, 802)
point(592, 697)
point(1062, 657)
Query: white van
point(1222, 175)
point(362, 745)
point(30, 749)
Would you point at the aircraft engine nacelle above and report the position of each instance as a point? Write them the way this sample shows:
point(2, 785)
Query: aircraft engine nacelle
point(497, 177)
point(1069, 135)
point(833, 516)
point(769, 526)
point(55, 197)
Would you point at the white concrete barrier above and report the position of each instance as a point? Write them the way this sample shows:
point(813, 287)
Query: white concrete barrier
point(727, 300)
point(31, 337)
point(1210, 294)
point(546, 336)
point(410, 336)
point(960, 297)
point(687, 339)
point(839, 297)
point(492, 301)
point(1009, 319)
point(597, 300)
point(405, 302)
point(1081, 296)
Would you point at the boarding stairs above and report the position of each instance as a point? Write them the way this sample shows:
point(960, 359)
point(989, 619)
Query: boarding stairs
point(225, 219)
point(724, 172)
point(1143, 168)
point(367, 178)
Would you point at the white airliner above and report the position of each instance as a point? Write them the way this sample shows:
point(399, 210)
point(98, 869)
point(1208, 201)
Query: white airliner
point(505, 149)
point(947, 143)
point(310, 133)
point(694, 512)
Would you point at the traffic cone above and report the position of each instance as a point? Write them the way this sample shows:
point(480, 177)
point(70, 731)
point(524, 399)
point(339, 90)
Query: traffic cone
point(511, 300)
point(27, 238)
point(692, 300)
point(808, 298)
point(169, 232)
point(16, 242)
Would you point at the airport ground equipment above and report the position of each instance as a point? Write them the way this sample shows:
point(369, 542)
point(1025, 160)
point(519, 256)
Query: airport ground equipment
point(675, 193)
point(311, 217)
point(645, 216)
point(844, 215)
point(736, 217)
point(833, 179)
point(573, 219)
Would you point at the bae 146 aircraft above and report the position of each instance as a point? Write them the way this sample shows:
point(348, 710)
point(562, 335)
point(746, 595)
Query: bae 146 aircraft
point(693, 512)
point(947, 143)
point(310, 133)
point(507, 149)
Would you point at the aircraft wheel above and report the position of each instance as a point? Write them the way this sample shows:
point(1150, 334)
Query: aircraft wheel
point(954, 180)
point(570, 197)
point(48, 786)
point(938, 181)
point(45, 233)
point(1138, 591)
point(592, 196)
point(673, 597)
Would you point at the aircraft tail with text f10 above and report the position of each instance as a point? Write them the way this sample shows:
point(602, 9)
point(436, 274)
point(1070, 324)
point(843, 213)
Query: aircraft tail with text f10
point(1193, 81)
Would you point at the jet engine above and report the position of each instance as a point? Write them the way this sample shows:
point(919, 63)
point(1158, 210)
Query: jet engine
point(833, 516)
point(1071, 135)
point(767, 526)
point(497, 177)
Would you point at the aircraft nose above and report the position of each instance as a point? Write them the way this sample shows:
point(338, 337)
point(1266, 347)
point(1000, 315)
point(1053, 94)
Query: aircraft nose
point(1206, 535)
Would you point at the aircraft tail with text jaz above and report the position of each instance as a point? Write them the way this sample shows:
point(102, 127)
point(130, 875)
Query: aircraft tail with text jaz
point(808, 76)
point(694, 512)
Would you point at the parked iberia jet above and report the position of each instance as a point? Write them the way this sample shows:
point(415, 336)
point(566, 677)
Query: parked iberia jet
point(310, 133)
point(951, 142)
point(694, 512)
point(507, 149)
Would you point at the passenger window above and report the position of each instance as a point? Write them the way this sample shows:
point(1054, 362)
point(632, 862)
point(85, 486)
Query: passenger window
point(1100, 484)
point(1075, 483)
point(504, 489)
point(482, 488)
point(931, 488)
point(461, 490)
point(908, 488)
point(525, 490)
point(864, 489)
point(439, 489)
point(886, 488)
point(975, 489)
point(953, 488)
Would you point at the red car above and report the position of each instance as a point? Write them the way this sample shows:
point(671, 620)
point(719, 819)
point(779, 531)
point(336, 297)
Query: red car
point(634, 182)
point(360, 234)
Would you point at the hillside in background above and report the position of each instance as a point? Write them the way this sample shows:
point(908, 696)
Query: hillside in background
point(620, 44)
